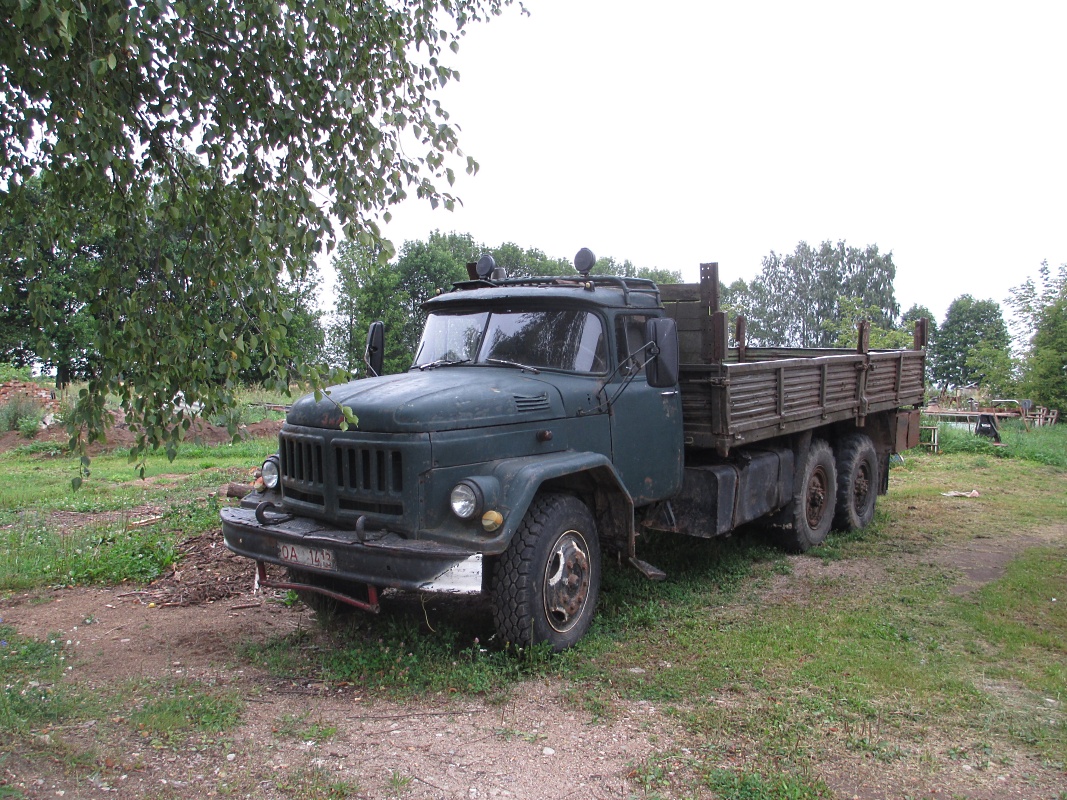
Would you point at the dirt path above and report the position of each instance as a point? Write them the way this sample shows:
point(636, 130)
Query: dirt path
point(192, 624)
point(531, 745)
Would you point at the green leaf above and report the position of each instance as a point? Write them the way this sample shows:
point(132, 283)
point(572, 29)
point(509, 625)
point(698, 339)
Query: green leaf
point(156, 261)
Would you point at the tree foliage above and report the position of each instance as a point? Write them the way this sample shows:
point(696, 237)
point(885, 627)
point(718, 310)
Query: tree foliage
point(967, 344)
point(797, 299)
point(423, 270)
point(845, 328)
point(299, 117)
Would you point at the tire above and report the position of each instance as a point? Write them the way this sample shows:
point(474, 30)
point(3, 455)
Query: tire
point(857, 483)
point(813, 506)
point(546, 584)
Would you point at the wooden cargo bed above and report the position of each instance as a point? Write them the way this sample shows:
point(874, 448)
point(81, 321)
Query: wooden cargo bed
point(739, 395)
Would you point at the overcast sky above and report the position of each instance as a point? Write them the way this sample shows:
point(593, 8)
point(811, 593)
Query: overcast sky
point(680, 132)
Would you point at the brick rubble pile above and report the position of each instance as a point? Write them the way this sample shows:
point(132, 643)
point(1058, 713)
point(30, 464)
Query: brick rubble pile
point(42, 394)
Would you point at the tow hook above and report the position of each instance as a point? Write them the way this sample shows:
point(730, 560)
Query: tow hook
point(275, 509)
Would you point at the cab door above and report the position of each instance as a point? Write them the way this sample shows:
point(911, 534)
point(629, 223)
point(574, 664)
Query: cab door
point(646, 422)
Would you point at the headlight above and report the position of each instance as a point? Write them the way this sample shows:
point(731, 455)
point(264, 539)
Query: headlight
point(271, 473)
point(466, 500)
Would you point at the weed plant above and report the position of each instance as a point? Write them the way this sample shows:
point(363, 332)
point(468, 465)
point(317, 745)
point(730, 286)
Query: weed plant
point(21, 413)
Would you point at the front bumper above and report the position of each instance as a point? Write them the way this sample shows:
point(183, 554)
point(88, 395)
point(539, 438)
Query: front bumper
point(381, 559)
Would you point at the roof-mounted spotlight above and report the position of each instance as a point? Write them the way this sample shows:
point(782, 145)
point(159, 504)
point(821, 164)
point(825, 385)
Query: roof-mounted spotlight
point(584, 261)
point(486, 265)
point(488, 270)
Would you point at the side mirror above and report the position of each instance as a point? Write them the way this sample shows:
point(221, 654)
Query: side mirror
point(662, 370)
point(374, 355)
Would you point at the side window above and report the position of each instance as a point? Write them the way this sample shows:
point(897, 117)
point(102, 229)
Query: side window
point(630, 339)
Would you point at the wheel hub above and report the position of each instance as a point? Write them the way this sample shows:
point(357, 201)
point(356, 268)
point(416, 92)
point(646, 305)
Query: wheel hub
point(567, 579)
point(816, 497)
point(861, 487)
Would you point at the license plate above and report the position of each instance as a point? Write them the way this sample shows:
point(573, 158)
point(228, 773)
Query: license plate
point(306, 556)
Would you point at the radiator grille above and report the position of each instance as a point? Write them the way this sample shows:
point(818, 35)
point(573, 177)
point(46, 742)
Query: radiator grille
point(342, 476)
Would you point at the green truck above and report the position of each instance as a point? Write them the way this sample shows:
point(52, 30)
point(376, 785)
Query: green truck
point(547, 421)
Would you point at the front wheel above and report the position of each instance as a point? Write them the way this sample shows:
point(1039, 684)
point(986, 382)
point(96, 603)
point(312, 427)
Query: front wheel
point(546, 584)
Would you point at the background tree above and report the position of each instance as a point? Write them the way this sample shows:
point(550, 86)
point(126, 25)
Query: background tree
point(627, 269)
point(845, 328)
point(527, 263)
point(1041, 334)
point(917, 312)
point(796, 299)
point(1045, 376)
point(368, 289)
point(302, 318)
point(908, 320)
point(63, 278)
point(969, 325)
point(992, 367)
point(423, 270)
point(302, 115)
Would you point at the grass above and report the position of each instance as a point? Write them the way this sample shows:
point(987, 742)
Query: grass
point(317, 783)
point(40, 546)
point(1045, 445)
point(299, 727)
point(172, 713)
point(32, 694)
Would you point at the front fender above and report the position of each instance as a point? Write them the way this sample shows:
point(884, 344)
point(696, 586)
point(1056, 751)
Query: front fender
point(591, 475)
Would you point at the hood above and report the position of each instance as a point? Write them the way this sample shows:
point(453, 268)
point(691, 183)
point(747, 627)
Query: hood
point(446, 398)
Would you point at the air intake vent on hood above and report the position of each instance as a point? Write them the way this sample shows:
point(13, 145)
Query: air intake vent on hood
point(527, 404)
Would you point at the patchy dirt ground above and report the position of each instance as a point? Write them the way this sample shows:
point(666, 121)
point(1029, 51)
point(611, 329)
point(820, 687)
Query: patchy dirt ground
point(191, 623)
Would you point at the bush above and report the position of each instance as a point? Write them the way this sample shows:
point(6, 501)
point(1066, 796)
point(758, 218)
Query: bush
point(21, 413)
point(28, 426)
point(9, 372)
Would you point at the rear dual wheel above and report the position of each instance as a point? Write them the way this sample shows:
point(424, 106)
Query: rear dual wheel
point(813, 508)
point(857, 482)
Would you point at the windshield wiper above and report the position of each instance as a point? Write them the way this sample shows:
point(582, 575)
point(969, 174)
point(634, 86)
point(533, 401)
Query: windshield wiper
point(515, 364)
point(443, 362)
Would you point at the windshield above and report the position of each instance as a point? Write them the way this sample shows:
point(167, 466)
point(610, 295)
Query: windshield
point(565, 339)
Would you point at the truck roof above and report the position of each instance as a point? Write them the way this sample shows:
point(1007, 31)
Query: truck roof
point(600, 290)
